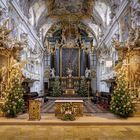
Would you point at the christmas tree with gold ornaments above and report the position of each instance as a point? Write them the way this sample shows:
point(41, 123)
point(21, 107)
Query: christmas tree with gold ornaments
point(11, 74)
point(121, 103)
point(14, 102)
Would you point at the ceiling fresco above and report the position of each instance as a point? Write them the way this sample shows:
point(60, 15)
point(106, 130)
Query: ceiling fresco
point(72, 8)
point(89, 13)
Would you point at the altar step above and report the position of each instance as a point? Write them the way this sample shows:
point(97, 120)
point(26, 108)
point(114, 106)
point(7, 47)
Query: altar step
point(96, 119)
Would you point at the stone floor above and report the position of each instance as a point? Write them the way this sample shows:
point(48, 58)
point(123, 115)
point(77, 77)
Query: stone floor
point(50, 119)
point(44, 132)
point(94, 125)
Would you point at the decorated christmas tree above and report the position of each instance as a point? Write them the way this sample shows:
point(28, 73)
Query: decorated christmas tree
point(83, 89)
point(11, 72)
point(14, 102)
point(121, 103)
point(56, 88)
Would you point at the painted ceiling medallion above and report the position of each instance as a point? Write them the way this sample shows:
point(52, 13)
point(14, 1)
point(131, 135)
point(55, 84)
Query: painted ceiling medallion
point(73, 8)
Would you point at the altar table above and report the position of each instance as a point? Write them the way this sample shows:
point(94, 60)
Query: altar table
point(73, 106)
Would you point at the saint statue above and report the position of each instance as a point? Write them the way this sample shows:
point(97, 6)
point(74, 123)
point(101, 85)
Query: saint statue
point(52, 72)
point(63, 41)
point(69, 72)
point(87, 73)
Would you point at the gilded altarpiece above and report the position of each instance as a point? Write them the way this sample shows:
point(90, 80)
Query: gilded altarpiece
point(129, 62)
point(132, 68)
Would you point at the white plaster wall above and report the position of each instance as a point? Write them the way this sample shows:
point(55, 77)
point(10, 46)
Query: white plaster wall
point(107, 40)
point(3, 3)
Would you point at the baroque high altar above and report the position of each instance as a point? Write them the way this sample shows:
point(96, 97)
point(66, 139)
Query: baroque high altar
point(70, 48)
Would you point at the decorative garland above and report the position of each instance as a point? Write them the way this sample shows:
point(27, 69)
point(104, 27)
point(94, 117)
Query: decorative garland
point(67, 111)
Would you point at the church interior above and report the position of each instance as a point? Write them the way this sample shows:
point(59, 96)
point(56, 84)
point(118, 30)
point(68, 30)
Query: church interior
point(70, 69)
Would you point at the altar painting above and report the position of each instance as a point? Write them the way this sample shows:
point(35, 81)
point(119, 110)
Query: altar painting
point(70, 59)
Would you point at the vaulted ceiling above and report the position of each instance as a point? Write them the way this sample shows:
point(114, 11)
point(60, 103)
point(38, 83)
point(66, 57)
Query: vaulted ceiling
point(46, 13)
point(63, 10)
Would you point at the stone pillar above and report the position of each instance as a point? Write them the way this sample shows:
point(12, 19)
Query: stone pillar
point(57, 62)
point(82, 62)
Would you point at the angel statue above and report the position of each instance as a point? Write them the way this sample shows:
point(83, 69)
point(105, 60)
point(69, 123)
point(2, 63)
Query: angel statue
point(52, 72)
point(87, 73)
point(69, 72)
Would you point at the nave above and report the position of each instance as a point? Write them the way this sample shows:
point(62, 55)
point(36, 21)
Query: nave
point(69, 69)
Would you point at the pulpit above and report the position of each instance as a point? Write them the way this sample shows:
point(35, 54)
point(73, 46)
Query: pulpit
point(34, 110)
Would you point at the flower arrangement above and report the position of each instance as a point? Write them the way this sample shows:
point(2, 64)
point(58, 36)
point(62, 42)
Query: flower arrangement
point(67, 111)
